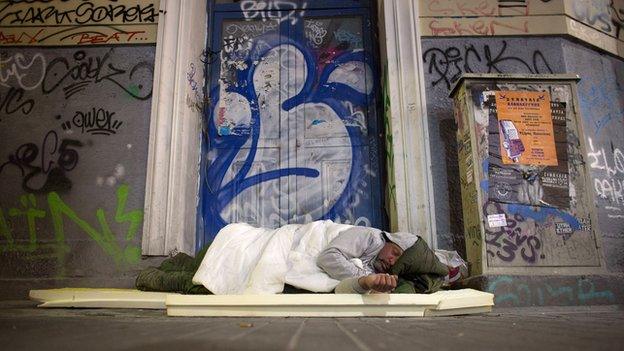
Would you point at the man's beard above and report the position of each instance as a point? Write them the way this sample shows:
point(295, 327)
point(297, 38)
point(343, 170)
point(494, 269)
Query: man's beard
point(378, 265)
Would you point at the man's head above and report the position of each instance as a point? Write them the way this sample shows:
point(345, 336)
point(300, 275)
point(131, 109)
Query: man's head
point(395, 244)
point(387, 257)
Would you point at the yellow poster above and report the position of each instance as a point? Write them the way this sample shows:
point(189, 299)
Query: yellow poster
point(526, 129)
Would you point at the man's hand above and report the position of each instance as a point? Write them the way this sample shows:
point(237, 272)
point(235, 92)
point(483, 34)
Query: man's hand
point(381, 282)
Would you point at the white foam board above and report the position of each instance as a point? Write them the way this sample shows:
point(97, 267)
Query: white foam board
point(99, 298)
point(443, 303)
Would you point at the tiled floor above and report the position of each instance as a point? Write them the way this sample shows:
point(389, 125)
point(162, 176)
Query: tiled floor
point(24, 327)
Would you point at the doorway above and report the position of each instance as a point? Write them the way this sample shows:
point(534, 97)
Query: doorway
point(293, 133)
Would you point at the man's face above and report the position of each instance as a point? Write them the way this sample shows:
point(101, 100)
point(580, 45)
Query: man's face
point(387, 257)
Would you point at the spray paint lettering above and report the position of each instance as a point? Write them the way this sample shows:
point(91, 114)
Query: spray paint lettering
point(510, 291)
point(46, 164)
point(20, 72)
point(84, 12)
point(315, 32)
point(604, 15)
point(447, 64)
point(511, 240)
point(97, 121)
point(260, 85)
point(273, 10)
point(88, 70)
point(13, 101)
point(118, 247)
point(608, 178)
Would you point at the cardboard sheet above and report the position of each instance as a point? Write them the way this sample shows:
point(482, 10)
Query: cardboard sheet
point(442, 303)
point(452, 302)
point(99, 298)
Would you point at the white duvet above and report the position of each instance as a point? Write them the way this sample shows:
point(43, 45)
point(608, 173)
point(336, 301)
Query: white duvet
point(247, 260)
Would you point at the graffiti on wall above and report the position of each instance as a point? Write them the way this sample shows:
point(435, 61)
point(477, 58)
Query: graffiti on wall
point(391, 199)
point(483, 8)
point(482, 18)
point(73, 76)
point(58, 215)
point(605, 15)
point(18, 75)
point(319, 88)
point(43, 165)
point(447, 64)
point(74, 117)
point(511, 291)
point(515, 240)
point(24, 78)
point(596, 22)
point(273, 10)
point(96, 121)
point(63, 23)
point(608, 177)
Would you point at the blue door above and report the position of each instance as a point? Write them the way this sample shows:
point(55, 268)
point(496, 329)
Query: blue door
point(292, 134)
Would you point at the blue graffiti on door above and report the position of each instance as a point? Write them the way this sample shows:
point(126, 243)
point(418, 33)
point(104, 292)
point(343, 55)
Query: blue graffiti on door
point(271, 85)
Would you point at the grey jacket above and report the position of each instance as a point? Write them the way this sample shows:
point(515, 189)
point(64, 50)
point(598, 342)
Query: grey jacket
point(363, 243)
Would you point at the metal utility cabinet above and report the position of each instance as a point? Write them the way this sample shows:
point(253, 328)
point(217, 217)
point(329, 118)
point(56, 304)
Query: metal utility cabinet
point(527, 207)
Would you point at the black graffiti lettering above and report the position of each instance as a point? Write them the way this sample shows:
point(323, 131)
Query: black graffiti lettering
point(513, 239)
point(534, 244)
point(68, 158)
point(85, 12)
point(11, 102)
point(97, 122)
point(93, 70)
point(51, 160)
point(209, 56)
point(446, 65)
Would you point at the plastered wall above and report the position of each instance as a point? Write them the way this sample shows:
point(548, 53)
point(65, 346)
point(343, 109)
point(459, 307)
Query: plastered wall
point(74, 126)
point(601, 92)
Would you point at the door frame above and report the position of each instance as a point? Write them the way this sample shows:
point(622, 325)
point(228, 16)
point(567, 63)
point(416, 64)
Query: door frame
point(172, 184)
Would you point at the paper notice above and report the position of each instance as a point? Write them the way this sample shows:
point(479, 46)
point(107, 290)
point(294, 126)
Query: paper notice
point(526, 128)
point(497, 220)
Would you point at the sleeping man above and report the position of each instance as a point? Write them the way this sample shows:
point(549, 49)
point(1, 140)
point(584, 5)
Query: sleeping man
point(370, 260)
point(377, 251)
point(320, 256)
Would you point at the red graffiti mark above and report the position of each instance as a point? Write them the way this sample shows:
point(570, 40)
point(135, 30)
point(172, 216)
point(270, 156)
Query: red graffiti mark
point(478, 27)
point(434, 6)
point(466, 8)
point(523, 27)
point(480, 9)
point(22, 38)
point(98, 38)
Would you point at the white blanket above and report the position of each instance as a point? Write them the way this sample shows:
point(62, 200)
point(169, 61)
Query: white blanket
point(247, 260)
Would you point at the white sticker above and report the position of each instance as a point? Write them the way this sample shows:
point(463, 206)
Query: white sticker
point(497, 220)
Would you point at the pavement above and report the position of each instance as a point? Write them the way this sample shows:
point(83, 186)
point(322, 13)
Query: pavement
point(23, 326)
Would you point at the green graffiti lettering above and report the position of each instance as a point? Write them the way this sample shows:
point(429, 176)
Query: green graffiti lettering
point(391, 185)
point(60, 212)
point(30, 211)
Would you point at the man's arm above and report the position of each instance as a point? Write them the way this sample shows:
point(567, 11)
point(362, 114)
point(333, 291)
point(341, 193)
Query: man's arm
point(380, 282)
point(352, 243)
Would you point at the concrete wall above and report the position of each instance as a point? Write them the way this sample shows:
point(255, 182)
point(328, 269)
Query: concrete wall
point(73, 135)
point(74, 127)
point(601, 101)
point(601, 93)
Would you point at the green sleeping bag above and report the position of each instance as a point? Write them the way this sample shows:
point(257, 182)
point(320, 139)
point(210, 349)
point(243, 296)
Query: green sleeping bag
point(419, 270)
